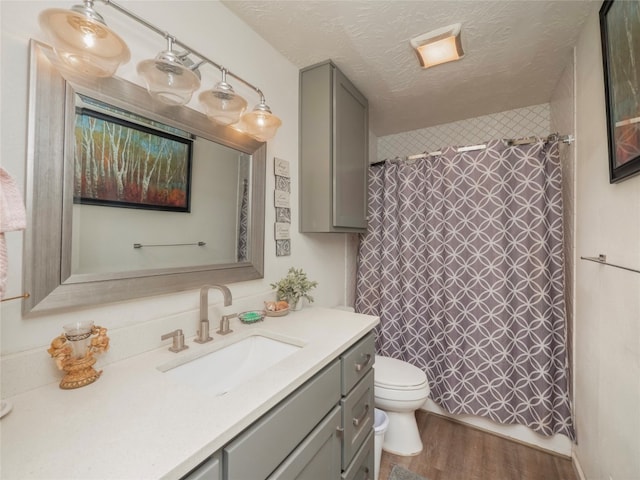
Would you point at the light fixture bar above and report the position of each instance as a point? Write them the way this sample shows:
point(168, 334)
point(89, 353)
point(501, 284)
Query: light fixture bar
point(176, 41)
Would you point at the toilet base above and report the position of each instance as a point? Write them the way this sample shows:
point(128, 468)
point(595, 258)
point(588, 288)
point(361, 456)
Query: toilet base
point(402, 437)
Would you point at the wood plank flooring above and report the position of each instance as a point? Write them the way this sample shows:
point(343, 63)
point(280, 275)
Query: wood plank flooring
point(453, 451)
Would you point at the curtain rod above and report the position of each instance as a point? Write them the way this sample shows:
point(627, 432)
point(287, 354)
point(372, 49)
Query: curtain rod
point(510, 142)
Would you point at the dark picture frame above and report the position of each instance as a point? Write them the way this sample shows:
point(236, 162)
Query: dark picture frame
point(119, 163)
point(620, 35)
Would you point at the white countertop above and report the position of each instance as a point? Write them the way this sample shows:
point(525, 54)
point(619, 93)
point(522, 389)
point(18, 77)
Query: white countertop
point(136, 423)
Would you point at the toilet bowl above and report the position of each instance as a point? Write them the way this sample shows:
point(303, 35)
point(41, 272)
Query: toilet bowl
point(400, 389)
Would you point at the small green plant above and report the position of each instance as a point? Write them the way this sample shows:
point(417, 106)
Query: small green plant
point(294, 286)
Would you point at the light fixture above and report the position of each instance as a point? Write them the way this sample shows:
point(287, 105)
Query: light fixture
point(260, 123)
point(439, 46)
point(222, 104)
point(83, 41)
point(170, 77)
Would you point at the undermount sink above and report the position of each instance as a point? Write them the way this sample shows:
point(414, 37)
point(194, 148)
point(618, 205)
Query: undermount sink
point(223, 369)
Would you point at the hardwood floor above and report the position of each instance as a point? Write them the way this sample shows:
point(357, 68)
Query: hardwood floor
point(453, 451)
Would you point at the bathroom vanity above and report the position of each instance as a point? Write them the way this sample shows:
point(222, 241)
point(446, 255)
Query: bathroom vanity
point(310, 415)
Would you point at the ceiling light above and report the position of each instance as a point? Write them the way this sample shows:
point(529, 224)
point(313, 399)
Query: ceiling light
point(83, 41)
point(170, 77)
point(261, 124)
point(222, 104)
point(440, 46)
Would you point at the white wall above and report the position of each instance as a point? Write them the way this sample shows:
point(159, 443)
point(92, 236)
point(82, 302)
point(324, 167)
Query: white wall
point(607, 322)
point(563, 114)
point(212, 29)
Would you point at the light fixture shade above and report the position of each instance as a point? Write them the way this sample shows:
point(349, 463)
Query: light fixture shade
point(222, 104)
point(83, 41)
point(260, 123)
point(439, 46)
point(168, 79)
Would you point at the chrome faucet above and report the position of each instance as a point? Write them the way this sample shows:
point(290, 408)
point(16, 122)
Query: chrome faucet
point(203, 333)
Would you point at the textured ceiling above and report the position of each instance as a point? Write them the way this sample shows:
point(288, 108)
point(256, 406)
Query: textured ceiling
point(515, 51)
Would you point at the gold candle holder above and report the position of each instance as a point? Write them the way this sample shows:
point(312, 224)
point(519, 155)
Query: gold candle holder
point(74, 352)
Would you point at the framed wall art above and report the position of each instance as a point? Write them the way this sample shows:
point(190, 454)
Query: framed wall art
point(119, 163)
point(620, 33)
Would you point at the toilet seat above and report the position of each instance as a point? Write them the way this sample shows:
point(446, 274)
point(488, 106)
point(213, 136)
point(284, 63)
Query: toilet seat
point(393, 374)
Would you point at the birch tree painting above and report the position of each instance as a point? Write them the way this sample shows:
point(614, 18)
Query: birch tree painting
point(123, 164)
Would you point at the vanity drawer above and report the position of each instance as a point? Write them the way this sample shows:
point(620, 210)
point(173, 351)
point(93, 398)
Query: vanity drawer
point(362, 467)
point(357, 417)
point(357, 361)
point(256, 452)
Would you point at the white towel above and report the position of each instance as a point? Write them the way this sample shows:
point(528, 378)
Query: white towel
point(12, 217)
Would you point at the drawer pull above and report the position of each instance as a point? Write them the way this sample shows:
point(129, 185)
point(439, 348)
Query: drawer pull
point(340, 432)
point(358, 421)
point(363, 365)
point(366, 473)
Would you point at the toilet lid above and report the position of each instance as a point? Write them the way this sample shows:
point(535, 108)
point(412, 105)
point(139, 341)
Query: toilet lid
point(396, 373)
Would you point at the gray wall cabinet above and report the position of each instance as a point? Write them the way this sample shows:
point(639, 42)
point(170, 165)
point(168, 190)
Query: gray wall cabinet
point(334, 157)
point(323, 430)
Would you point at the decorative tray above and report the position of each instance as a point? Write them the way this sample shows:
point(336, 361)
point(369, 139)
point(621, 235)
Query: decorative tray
point(277, 313)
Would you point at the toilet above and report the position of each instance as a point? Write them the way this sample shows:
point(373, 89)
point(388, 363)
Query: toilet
point(399, 390)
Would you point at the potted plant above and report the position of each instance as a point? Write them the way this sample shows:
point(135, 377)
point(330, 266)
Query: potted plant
point(294, 287)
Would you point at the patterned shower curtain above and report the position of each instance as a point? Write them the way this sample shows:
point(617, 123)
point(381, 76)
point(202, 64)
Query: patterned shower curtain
point(463, 263)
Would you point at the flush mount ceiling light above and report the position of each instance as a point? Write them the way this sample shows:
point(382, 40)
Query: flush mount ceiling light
point(83, 41)
point(439, 46)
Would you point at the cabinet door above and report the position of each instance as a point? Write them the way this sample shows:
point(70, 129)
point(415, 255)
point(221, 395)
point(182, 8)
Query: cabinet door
point(258, 451)
point(318, 456)
point(350, 156)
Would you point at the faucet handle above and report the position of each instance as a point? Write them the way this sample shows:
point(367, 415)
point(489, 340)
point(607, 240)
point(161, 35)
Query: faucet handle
point(224, 324)
point(178, 340)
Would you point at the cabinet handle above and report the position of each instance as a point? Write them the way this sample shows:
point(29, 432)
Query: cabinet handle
point(363, 365)
point(366, 473)
point(361, 418)
point(340, 432)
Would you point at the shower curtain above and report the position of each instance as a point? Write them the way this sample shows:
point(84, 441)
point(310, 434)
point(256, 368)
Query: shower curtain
point(463, 263)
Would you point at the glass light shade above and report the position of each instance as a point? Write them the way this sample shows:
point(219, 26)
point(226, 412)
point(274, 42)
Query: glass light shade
point(261, 124)
point(168, 80)
point(222, 105)
point(84, 42)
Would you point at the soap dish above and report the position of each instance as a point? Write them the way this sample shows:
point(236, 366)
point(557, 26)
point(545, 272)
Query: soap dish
point(251, 316)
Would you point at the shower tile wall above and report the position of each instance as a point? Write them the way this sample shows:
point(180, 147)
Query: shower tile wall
point(521, 122)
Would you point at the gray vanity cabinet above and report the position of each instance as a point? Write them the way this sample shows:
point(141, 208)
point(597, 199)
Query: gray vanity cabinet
point(210, 469)
point(274, 438)
point(334, 157)
point(323, 430)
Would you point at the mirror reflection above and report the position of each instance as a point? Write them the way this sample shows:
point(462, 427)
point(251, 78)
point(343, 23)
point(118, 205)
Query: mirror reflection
point(148, 195)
